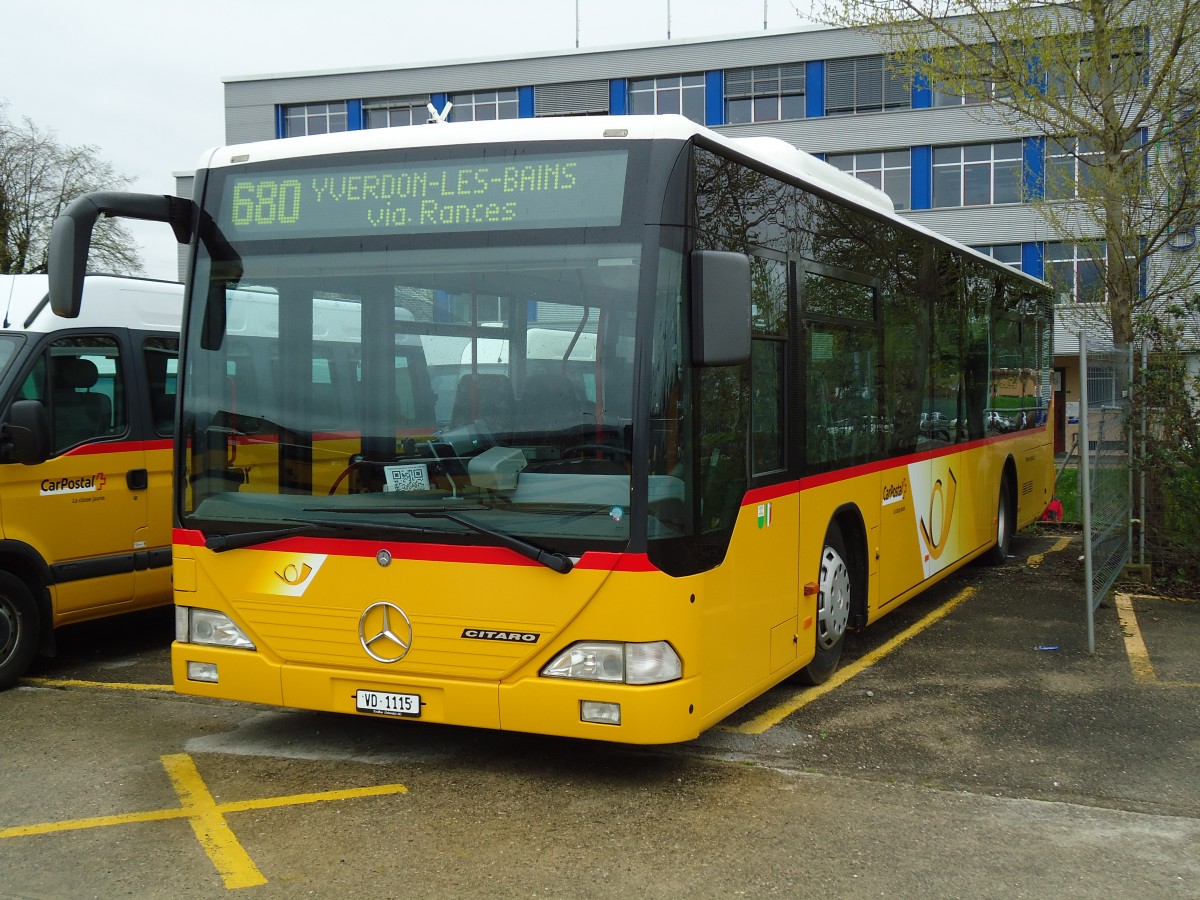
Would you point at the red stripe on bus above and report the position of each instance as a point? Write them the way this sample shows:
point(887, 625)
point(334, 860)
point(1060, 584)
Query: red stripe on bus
point(120, 447)
point(596, 560)
point(787, 488)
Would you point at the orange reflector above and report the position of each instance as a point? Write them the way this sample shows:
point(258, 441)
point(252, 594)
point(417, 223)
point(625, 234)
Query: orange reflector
point(808, 623)
point(810, 589)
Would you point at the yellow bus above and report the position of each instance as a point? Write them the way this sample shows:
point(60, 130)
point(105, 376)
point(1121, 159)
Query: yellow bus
point(624, 423)
point(86, 409)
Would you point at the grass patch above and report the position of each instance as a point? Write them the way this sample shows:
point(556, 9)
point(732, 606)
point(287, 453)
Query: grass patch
point(1066, 489)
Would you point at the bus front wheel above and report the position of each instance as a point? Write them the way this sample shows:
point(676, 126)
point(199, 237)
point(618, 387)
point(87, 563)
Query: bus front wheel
point(18, 629)
point(833, 608)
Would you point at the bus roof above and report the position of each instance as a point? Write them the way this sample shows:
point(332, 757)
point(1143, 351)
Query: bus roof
point(774, 152)
point(767, 152)
point(110, 301)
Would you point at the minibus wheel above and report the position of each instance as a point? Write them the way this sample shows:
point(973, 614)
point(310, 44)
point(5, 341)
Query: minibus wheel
point(19, 628)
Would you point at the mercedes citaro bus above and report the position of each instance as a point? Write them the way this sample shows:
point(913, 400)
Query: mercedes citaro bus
point(595, 427)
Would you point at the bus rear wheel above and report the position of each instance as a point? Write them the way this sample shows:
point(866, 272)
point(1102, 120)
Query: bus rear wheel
point(18, 629)
point(834, 592)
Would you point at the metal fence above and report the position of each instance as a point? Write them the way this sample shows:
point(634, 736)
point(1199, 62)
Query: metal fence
point(1105, 474)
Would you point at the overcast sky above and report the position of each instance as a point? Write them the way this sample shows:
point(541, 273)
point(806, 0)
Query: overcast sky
point(141, 80)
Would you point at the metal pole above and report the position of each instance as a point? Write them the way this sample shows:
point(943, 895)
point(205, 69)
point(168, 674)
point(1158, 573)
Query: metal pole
point(576, 24)
point(1129, 460)
point(1085, 489)
point(1142, 468)
point(668, 20)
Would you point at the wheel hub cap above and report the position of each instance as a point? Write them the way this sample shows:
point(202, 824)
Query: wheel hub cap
point(833, 599)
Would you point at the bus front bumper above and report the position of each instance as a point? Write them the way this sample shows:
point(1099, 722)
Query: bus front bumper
point(636, 714)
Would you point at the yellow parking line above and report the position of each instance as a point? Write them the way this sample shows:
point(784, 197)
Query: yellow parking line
point(207, 818)
point(114, 685)
point(1135, 646)
point(1038, 558)
point(773, 717)
point(158, 815)
point(232, 861)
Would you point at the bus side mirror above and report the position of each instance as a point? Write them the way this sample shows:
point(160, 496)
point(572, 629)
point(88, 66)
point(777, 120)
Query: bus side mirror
point(71, 237)
point(26, 434)
point(720, 308)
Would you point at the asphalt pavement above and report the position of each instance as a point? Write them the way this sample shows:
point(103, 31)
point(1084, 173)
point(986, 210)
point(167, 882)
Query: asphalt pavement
point(969, 746)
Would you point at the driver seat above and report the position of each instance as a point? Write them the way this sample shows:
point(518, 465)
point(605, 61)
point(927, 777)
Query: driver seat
point(484, 396)
point(549, 403)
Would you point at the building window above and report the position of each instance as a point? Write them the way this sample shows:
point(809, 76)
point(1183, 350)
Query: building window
point(864, 84)
point(977, 174)
point(482, 106)
point(668, 94)
point(964, 91)
point(888, 170)
point(1009, 254)
point(389, 112)
point(314, 118)
point(1073, 270)
point(1072, 168)
point(764, 94)
point(1126, 66)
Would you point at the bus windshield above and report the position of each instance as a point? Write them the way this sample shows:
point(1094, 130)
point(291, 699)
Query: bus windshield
point(420, 384)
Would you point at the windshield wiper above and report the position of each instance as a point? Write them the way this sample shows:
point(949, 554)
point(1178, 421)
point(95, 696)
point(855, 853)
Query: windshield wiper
point(219, 543)
point(558, 562)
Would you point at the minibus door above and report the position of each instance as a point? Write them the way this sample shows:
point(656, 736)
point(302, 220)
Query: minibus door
point(83, 508)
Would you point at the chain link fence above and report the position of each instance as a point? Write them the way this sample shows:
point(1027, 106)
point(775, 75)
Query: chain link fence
point(1106, 378)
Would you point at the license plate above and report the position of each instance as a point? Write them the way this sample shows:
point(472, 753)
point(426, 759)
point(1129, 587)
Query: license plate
point(387, 704)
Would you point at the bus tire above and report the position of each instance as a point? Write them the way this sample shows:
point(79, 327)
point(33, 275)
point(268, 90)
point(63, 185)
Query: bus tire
point(834, 593)
point(998, 554)
point(19, 627)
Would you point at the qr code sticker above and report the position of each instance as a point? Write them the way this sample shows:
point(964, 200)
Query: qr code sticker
point(406, 478)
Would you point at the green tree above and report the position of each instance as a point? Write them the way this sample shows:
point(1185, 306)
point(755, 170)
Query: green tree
point(1111, 88)
point(39, 176)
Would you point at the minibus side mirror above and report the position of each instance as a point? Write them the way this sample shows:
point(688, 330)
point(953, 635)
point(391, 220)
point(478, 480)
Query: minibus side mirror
point(26, 434)
point(720, 308)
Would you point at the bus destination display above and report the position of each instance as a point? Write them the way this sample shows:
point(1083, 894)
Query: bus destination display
point(562, 190)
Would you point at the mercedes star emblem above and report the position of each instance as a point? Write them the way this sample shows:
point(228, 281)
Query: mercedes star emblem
point(385, 632)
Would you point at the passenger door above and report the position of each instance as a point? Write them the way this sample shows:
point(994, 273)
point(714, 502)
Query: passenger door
point(154, 419)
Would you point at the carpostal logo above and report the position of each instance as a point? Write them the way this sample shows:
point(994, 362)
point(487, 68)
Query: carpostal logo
point(896, 492)
point(79, 484)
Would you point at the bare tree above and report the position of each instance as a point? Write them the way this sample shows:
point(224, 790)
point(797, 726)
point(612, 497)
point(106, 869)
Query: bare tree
point(39, 176)
point(1110, 88)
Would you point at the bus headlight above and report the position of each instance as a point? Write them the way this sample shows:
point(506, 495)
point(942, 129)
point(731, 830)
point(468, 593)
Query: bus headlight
point(612, 661)
point(207, 626)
